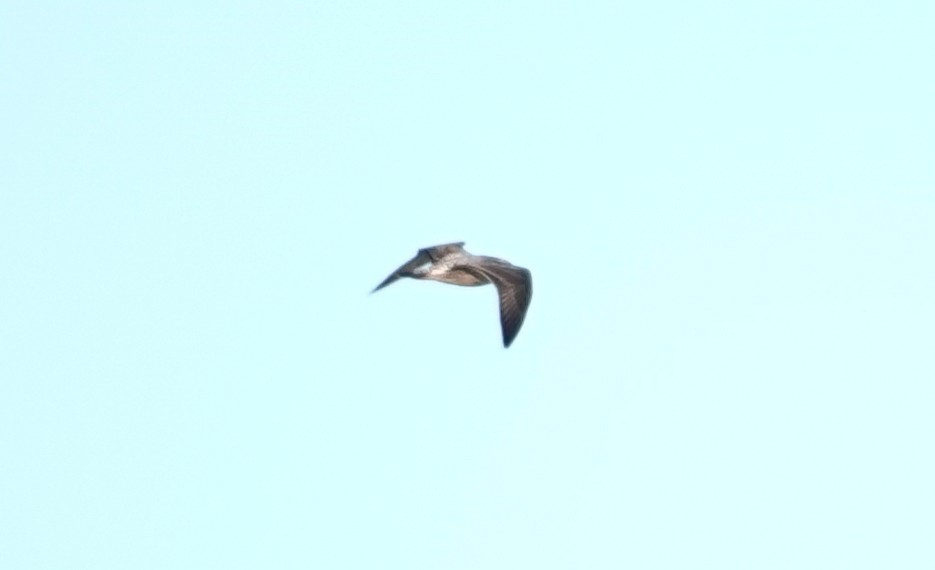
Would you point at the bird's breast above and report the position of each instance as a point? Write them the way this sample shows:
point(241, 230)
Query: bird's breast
point(456, 276)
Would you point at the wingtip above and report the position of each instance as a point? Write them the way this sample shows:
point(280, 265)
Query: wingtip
point(388, 281)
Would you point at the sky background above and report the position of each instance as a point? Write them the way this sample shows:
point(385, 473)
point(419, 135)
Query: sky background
point(728, 209)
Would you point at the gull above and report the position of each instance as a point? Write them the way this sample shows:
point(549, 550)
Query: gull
point(450, 263)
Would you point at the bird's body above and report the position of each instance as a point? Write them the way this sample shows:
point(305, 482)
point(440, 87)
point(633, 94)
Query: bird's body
point(450, 263)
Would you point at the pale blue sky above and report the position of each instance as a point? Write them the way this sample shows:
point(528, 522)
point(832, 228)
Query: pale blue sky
point(728, 209)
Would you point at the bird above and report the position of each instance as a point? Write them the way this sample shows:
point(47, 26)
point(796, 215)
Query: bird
point(451, 263)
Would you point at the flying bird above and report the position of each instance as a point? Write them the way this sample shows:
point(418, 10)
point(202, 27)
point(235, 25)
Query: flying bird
point(450, 263)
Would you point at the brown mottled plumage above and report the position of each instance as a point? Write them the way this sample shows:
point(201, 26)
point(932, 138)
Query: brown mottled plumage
point(450, 263)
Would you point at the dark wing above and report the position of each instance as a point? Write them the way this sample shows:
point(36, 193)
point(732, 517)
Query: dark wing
point(514, 287)
point(437, 252)
point(421, 258)
point(425, 255)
